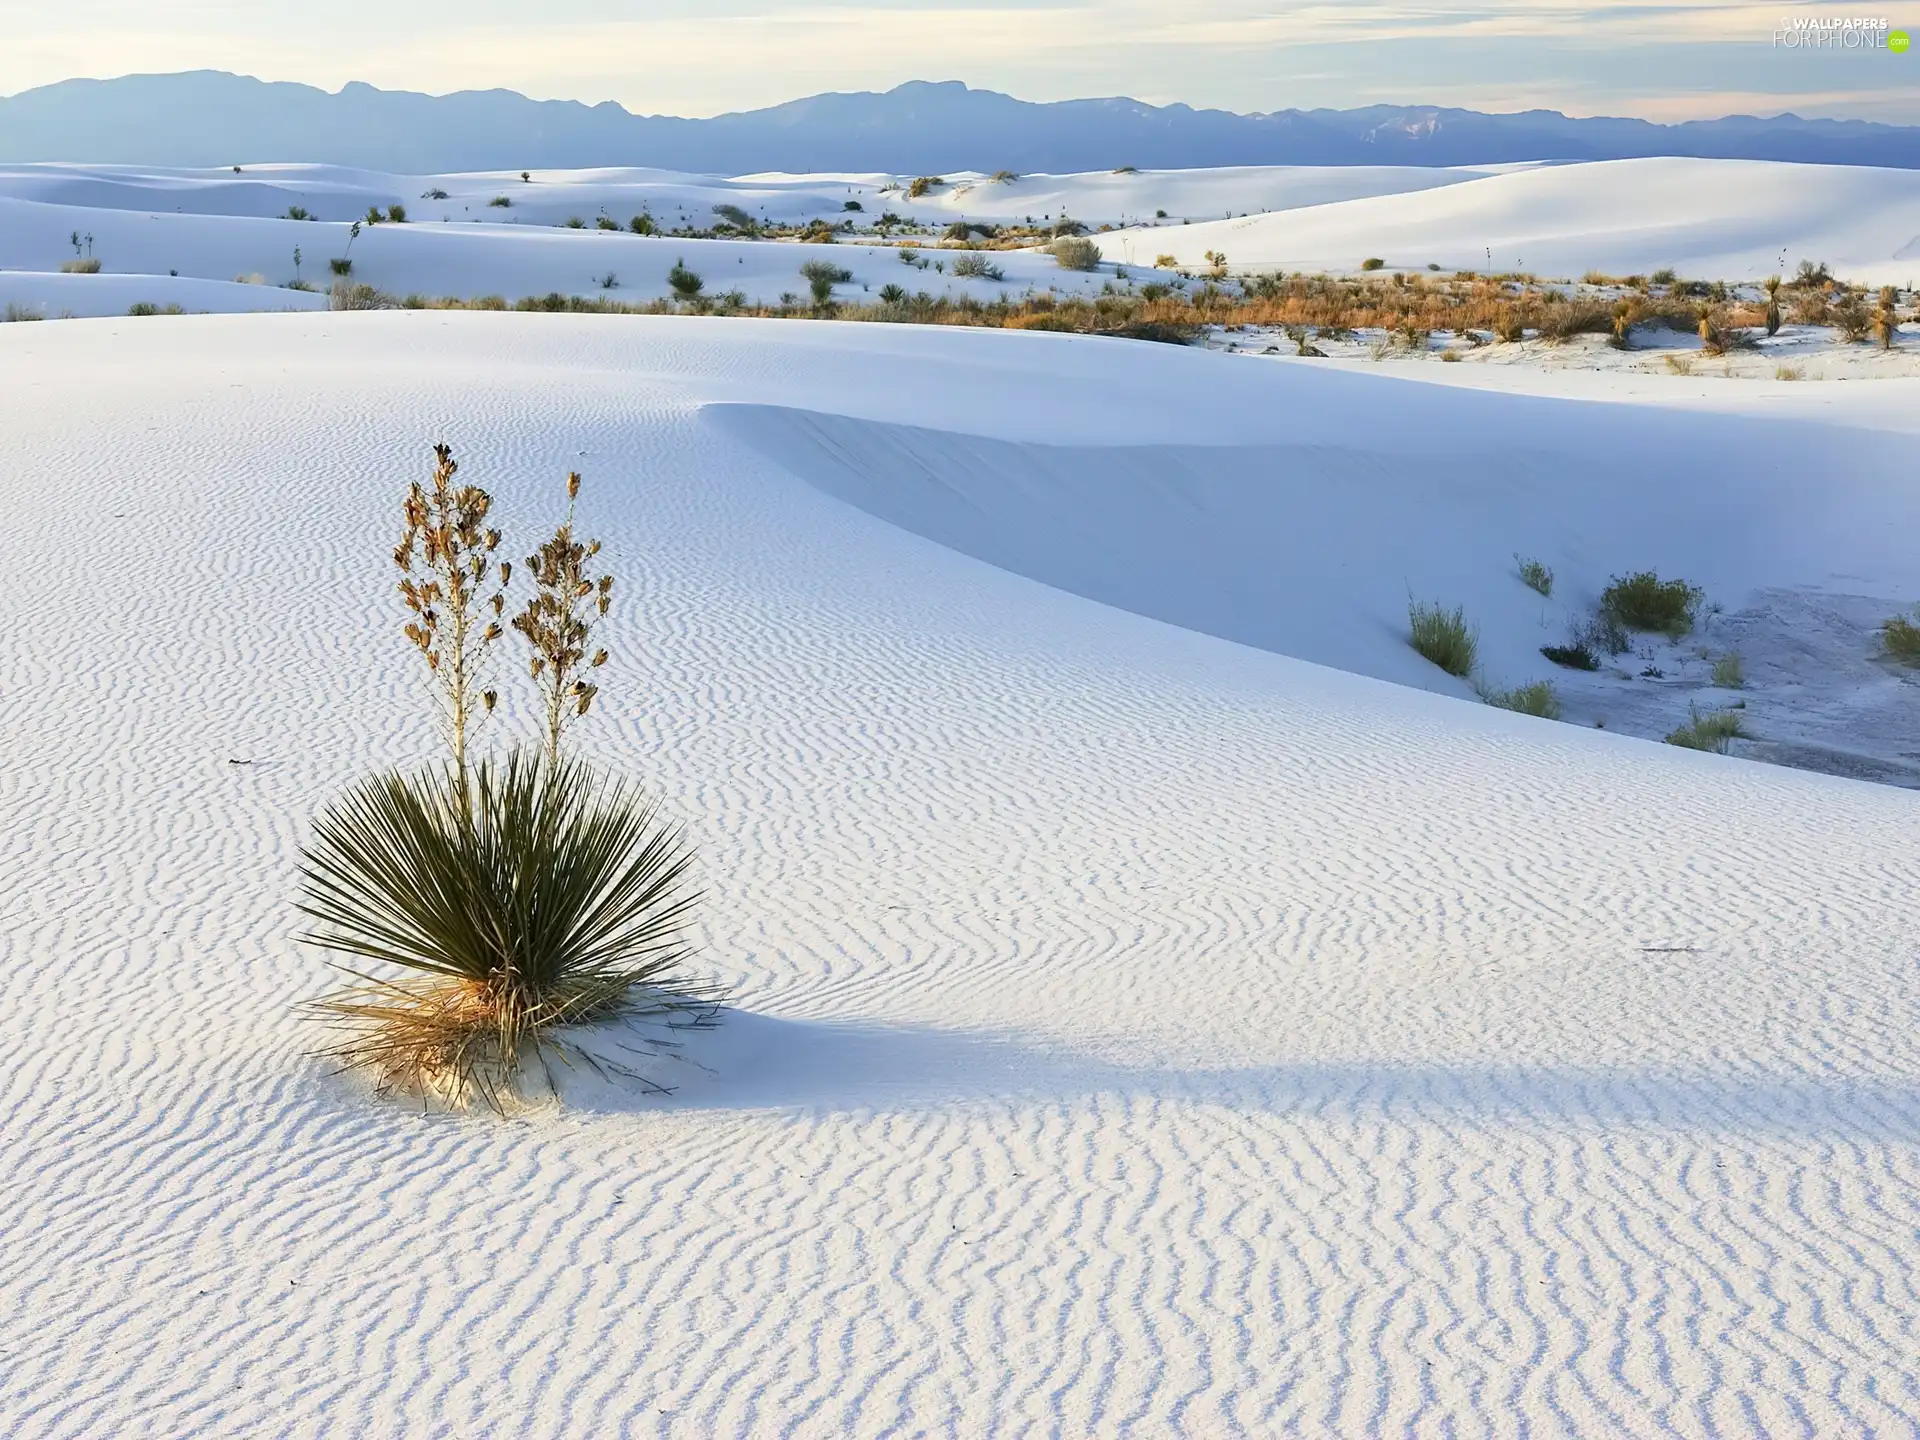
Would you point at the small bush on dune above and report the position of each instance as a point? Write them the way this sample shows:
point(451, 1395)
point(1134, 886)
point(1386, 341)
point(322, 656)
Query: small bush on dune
point(1535, 574)
point(1900, 637)
point(606, 222)
point(500, 202)
point(1574, 655)
point(1643, 601)
point(340, 266)
point(974, 266)
point(1538, 698)
point(924, 185)
point(89, 265)
point(821, 276)
point(346, 295)
point(1443, 636)
point(642, 225)
point(574, 222)
point(16, 313)
point(1373, 262)
point(683, 282)
point(1729, 671)
point(1710, 730)
point(146, 307)
point(1072, 253)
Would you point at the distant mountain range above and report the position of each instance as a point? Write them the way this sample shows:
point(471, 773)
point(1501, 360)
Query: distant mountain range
point(206, 118)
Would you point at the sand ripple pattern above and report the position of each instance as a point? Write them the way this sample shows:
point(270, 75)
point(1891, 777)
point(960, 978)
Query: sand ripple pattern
point(1139, 1034)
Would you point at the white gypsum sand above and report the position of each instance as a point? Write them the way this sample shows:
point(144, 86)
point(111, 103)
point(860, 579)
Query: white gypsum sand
point(1138, 1032)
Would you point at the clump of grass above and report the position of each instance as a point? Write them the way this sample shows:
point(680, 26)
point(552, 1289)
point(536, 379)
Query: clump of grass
point(500, 202)
point(923, 185)
point(86, 265)
point(16, 313)
point(1443, 636)
point(341, 266)
point(1680, 364)
point(142, 308)
point(1372, 262)
point(1072, 253)
point(683, 282)
point(1536, 698)
point(821, 276)
point(1712, 730)
point(975, 266)
point(1535, 574)
point(1643, 601)
point(1574, 655)
point(1900, 637)
point(1789, 372)
point(1729, 671)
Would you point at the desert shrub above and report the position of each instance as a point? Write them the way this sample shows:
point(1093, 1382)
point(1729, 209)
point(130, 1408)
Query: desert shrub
point(1663, 276)
point(397, 214)
point(16, 313)
point(1574, 655)
point(89, 265)
point(975, 266)
point(1003, 177)
point(1679, 364)
point(1537, 698)
point(1886, 318)
point(574, 222)
point(854, 205)
point(642, 225)
point(1450, 357)
point(1773, 305)
point(736, 217)
point(1850, 318)
point(1563, 320)
point(605, 222)
point(1729, 672)
point(1643, 601)
point(683, 282)
point(436, 193)
point(298, 212)
point(923, 185)
point(1900, 638)
point(500, 202)
point(610, 281)
point(1789, 372)
point(821, 276)
point(1809, 307)
point(340, 266)
point(1071, 253)
point(1508, 327)
point(1372, 262)
point(893, 294)
point(1602, 634)
point(1443, 636)
point(1535, 574)
point(1711, 730)
point(346, 295)
point(1811, 275)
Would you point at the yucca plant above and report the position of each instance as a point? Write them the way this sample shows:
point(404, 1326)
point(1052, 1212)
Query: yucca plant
point(1773, 305)
point(516, 898)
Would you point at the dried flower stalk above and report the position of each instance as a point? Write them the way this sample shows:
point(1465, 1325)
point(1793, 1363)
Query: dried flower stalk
point(445, 560)
point(558, 623)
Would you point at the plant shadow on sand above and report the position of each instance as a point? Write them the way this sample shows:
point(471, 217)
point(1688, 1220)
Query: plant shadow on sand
point(762, 1062)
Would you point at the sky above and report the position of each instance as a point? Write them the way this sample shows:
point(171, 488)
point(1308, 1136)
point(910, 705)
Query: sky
point(1663, 61)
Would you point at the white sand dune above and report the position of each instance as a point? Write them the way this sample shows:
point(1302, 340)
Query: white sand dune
point(511, 261)
point(1717, 219)
point(1140, 1032)
point(333, 192)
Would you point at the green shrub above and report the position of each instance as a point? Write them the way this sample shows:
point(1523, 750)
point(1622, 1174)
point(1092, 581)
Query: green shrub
point(574, 222)
point(1729, 672)
point(642, 225)
point(821, 276)
point(500, 202)
point(683, 282)
point(340, 267)
point(397, 214)
point(298, 212)
point(1372, 262)
point(1538, 698)
point(1535, 574)
point(1071, 253)
point(1712, 730)
point(1443, 636)
point(606, 222)
point(1575, 655)
point(1901, 639)
point(974, 266)
point(923, 185)
point(1643, 601)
